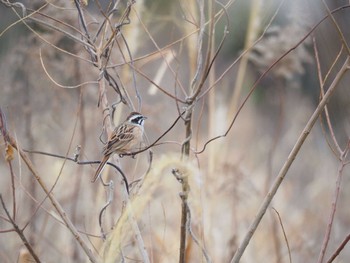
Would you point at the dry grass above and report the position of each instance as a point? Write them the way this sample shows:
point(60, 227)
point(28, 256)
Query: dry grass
point(50, 100)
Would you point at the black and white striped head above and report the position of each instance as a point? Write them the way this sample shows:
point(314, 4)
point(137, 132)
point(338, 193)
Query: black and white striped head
point(136, 118)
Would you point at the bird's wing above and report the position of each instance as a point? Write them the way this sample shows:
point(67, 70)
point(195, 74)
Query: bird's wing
point(120, 137)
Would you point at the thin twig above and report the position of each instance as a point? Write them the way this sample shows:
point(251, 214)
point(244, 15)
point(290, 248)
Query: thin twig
point(55, 28)
point(339, 249)
point(109, 129)
point(159, 50)
point(109, 201)
point(20, 232)
point(176, 98)
point(195, 89)
point(74, 159)
point(285, 168)
point(158, 139)
point(255, 85)
point(340, 33)
point(82, 19)
point(327, 235)
point(50, 195)
point(337, 151)
point(195, 239)
point(284, 234)
point(138, 96)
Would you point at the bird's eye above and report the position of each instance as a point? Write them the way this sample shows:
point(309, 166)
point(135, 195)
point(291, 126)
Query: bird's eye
point(137, 119)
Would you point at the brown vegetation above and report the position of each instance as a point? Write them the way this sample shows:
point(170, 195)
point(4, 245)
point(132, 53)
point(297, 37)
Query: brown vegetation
point(246, 148)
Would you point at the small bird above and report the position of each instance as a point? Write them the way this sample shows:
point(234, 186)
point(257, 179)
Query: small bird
point(124, 137)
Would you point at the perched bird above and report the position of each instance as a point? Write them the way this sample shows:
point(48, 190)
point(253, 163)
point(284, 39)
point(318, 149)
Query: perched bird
point(123, 139)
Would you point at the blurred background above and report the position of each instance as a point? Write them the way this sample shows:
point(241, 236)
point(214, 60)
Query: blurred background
point(48, 110)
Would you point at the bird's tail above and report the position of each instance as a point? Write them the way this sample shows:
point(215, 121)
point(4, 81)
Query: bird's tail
point(100, 168)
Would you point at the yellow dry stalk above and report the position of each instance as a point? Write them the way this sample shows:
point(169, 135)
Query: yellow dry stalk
point(159, 176)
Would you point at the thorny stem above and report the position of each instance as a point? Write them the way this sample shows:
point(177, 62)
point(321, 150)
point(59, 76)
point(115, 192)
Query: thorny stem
point(268, 198)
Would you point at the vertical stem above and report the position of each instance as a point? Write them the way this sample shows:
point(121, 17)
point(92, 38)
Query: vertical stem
point(77, 181)
point(182, 178)
point(188, 130)
point(185, 187)
point(212, 102)
point(183, 236)
point(252, 31)
point(109, 130)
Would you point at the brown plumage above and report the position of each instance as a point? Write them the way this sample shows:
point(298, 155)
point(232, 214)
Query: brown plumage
point(123, 139)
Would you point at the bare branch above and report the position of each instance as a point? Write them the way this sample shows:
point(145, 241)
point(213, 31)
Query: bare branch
point(50, 195)
point(337, 151)
point(255, 85)
point(284, 234)
point(339, 249)
point(183, 180)
point(327, 235)
point(341, 35)
point(285, 168)
point(20, 232)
